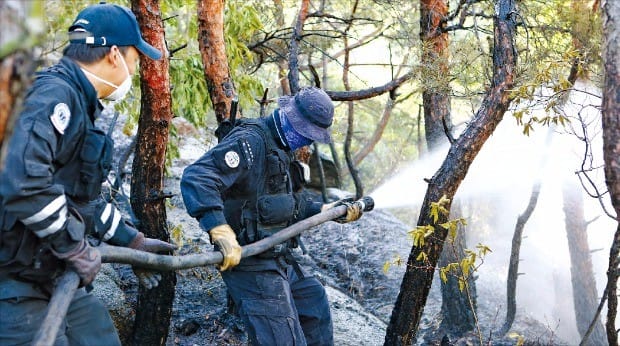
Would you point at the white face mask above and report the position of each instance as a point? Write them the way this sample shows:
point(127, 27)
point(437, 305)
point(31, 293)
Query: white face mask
point(121, 90)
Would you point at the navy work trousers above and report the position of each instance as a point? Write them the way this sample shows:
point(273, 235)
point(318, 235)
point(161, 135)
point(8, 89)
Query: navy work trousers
point(87, 321)
point(279, 306)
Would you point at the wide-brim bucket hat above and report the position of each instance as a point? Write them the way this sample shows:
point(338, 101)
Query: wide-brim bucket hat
point(310, 112)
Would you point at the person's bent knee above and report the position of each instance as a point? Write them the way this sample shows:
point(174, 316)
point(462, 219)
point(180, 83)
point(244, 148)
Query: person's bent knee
point(271, 322)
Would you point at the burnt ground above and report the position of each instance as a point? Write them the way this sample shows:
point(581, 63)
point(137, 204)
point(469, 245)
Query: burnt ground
point(351, 261)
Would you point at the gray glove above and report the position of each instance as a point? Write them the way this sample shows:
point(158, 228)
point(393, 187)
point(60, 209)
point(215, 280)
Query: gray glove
point(84, 259)
point(146, 277)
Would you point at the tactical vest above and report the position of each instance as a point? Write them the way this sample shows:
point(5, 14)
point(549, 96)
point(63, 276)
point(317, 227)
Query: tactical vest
point(272, 207)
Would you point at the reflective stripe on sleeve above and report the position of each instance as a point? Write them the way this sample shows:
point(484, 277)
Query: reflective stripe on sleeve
point(47, 211)
point(116, 218)
point(106, 213)
point(55, 226)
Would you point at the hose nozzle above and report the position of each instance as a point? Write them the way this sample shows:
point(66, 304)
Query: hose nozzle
point(366, 203)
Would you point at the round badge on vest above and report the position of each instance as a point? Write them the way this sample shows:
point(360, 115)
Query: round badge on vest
point(232, 159)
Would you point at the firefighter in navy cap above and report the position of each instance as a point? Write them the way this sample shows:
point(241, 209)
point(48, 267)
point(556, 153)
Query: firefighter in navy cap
point(50, 186)
point(245, 189)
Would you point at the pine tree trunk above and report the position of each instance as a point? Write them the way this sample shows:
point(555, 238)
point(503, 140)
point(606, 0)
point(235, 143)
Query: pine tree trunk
point(611, 147)
point(154, 308)
point(456, 305)
point(436, 99)
point(456, 312)
point(419, 273)
point(582, 275)
point(213, 52)
point(513, 265)
point(17, 63)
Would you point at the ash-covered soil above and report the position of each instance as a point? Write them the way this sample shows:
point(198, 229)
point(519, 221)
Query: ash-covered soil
point(361, 264)
point(350, 260)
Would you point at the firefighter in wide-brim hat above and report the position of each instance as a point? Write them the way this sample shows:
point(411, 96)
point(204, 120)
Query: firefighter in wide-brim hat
point(245, 189)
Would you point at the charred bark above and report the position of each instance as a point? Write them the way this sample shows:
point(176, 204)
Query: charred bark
point(456, 310)
point(359, 188)
point(213, 52)
point(419, 273)
point(154, 306)
point(457, 307)
point(370, 92)
point(582, 273)
point(17, 64)
point(293, 57)
point(611, 148)
point(513, 265)
point(16, 71)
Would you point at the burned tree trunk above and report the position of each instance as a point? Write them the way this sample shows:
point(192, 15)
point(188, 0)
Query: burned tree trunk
point(359, 187)
point(422, 260)
point(293, 57)
point(147, 198)
point(611, 148)
point(458, 306)
point(582, 274)
point(513, 265)
point(436, 99)
point(213, 52)
point(456, 310)
point(17, 62)
point(281, 62)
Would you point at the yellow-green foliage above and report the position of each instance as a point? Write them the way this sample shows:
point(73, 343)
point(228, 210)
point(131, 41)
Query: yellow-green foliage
point(242, 21)
point(397, 261)
point(520, 340)
point(177, 235)
point(420, 233)
point(559, 34)
point(468, 264)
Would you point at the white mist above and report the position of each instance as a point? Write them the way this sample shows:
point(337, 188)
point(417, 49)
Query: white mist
point(498, 186)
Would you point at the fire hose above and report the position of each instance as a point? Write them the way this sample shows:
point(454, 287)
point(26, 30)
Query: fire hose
point(69, 281)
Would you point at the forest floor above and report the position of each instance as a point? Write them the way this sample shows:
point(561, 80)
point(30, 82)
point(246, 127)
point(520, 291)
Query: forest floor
point(349, 260)
point(361, 265)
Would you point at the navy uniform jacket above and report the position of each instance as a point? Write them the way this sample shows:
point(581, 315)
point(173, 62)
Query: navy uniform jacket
point(235, 170)
point(56, 161)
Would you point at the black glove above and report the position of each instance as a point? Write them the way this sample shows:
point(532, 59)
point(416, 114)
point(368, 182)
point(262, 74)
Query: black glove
point(354, 210)
point(148, 278)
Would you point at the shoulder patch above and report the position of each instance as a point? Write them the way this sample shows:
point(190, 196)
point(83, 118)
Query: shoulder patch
point(60, 118)
point(232, 159)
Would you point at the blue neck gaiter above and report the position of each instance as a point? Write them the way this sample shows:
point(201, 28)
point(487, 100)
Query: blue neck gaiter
point(293, 138)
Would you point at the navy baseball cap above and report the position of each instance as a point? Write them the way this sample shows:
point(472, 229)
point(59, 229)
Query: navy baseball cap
point(107, 25)
point(310, 112)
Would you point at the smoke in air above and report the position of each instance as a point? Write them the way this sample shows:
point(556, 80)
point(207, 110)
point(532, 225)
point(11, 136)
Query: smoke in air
point(497, 190)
